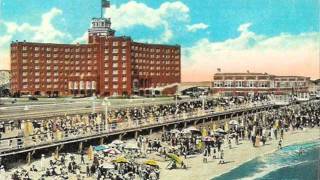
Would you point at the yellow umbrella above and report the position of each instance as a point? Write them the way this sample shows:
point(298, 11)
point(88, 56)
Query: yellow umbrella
point(200, 145)
point(151, 162)
point(204, 132)
point(226, 126)
point(175, 158)
point(121, 159)
point(90, 153)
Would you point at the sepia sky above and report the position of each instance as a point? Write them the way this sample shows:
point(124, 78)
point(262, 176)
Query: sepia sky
point(275, 36)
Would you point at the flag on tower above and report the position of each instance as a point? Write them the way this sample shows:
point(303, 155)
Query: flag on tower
point(105, 3)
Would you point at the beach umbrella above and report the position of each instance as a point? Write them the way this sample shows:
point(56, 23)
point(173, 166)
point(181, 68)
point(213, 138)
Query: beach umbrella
point(233, 122)
point(90, 153)
point(121, 159)
point(131, 146)
point(221, 131)
point(151, 163)
point(186, 131)
point(175, 158)
point(100, 148)
point(117, 142)
point(107, 166)
point(216, 134)
point(174, 131)
point(192, 128)
point(112, 151)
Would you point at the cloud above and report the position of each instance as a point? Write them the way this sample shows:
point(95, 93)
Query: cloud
point(43, 32)
point(133, 13)
point(285, 54)
point(81, 39)
point(196, 27)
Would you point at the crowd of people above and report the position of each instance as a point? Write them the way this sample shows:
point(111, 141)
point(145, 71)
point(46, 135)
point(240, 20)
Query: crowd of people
point(175, 145)
point(50, 129)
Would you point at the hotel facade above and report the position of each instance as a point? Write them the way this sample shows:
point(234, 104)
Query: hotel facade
point(108, 65)
point(242, 84)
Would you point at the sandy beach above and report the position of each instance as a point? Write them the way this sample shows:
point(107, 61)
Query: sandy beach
point(234, 157)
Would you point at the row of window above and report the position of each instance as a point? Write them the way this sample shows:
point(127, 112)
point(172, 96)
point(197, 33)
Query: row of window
point(55, 68)
point(115, 86)
point(157, 50)
point(116, 79)
point(56, 49)
point(271, 84)
point(66, 56)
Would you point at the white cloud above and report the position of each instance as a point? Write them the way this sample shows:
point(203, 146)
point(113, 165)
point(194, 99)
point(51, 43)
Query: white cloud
point(285, 54)
point(133, 13)
point(43, 32)
point(81, 39)
point(196, 27)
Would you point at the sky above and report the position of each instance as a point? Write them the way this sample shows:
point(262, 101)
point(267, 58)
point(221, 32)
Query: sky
point(275, 36)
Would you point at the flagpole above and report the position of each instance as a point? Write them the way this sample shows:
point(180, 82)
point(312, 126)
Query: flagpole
point(101, 8)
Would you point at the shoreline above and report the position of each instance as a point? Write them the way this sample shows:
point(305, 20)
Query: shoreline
point(235, 157)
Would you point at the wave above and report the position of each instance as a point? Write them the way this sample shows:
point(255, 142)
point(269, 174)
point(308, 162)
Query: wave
point(267, 169)
point(287, 157)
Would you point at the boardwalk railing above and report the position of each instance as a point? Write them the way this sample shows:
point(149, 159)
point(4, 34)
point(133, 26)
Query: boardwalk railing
point(37, 141)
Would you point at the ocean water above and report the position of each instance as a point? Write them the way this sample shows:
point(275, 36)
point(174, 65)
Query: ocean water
point(285, 164)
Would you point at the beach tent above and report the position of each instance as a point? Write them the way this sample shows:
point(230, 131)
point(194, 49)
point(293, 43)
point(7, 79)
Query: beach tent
point(90, 153)
point(151, 163)
point(204, 132)
point(175, 158)
point(214, 126)
point(226, 126)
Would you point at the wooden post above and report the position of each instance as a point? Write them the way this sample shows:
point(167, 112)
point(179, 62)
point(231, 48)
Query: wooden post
point(185, 125)
point(163, 129)
point(101, 140)
point(29, 158)
point(136, 134)
point(80, 147)
point(56, 153)
point(150, 131)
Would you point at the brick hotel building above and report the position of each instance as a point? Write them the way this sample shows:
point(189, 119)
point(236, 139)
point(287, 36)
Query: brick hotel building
point(108, 65)
point(241, 84)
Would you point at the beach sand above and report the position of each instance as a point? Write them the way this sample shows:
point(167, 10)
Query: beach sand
point(239, 154)
point(197, 170)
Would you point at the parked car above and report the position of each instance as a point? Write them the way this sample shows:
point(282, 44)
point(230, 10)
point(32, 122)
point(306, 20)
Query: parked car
point(32, 98)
